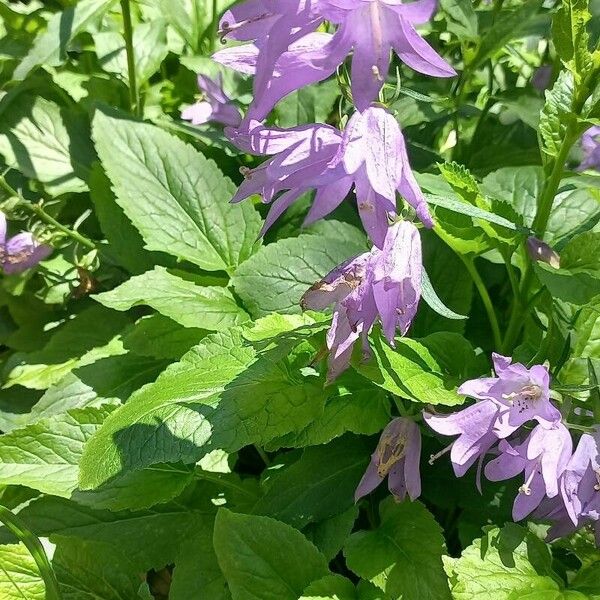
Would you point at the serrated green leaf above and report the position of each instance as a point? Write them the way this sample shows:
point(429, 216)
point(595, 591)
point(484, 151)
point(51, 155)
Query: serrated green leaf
point(223, 394)
point(264, 559)
point(319, 485)
point(556, 113)
point(210, 307)
point(47, 143)
point(461, 18)
point(570, 36)
point(20, 577)
point(45, 456)
point(403, 555)
point(177, 199)
point(274, 279)
point(587, 331)
point(50, 47)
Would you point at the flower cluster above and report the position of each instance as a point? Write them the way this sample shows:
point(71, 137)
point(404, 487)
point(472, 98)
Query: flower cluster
point(20, 252)
point(558, 485)
point(285, 50)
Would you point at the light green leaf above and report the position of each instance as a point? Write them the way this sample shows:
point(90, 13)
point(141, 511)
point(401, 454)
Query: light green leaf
point(587, 331)
point(403, 556)
point(44, 456)
point(20, 577)
point(150, 49)
point(274, 279)
point(501, 563)
point(222, 395)
point(210, 307)
point(310, 104)
point(46, 143)
point(330, 587)
point(555, 115)
point(460, 17)
point(570, 36)
point(319, 485)
point(51, 46)
point(177, 199)
point(410, 371)
point(432, 299)
point(264, 559)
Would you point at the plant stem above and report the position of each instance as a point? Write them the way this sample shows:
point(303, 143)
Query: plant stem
point(33, 544)
point(42, 215)
point(485, 298)
point(134, 99)
point(214, 25)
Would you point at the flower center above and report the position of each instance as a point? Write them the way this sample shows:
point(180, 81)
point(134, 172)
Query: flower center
point(389, 451)
point(528, 393)
point(526, 487)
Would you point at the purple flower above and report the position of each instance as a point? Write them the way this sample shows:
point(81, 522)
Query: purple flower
point(542, 77)
point(397, 457)
point(540, 251)
point(217, 106)
point(590, 144)
point(21, 251)
point(525, 393)
point(370, 153)
point(382, 283)
point(543, 456)
point(371, 28)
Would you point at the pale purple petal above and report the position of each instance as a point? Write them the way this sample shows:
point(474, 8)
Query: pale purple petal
point(198, 113)
point(526, 503)
point(370, 480)
point(2, 227)
point(327, 199)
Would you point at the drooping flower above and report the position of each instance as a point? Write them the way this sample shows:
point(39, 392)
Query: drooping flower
point(369, 28)
point(217, 106)
point(590, 144)
point(370, 154)
point(397, 456)
point(543, 456)
point(21, 251)
point(542, 77)
point(382, 283)
point(540, 251)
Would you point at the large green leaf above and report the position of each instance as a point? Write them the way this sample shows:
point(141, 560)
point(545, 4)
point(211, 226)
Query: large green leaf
point(45, 456)
point(274, 279)
point(177, 199)
point(264, 559)
point(223, 394)
point(46, 143)
point(319, 485)
point(587, 331)
point(50, 47)
point(461, 17)
point(191, 305)
point(505, 561)
point(556, 114)
point(403, 555)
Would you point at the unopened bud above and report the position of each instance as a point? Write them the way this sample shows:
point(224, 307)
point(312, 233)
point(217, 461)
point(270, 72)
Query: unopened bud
point(540, 251)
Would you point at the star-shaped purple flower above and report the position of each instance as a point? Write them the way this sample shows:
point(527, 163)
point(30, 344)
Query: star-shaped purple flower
point(21, 251)
point(397, 456)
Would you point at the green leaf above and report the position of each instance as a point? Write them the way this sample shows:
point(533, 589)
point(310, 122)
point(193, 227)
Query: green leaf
point(47, 143)
point(461, 18)
point(403, 556)
point(20, 577)
point(587, 331)
point(330, 587)
point(310, 104)
point(264, 559)
point(319, 485)
point(213, 308)
point(51, 46)
point(330, 535)
point(150, 46)
point(410, 371)
point(177, 199)
point(501, 563)
point(432, 299)
point(354, 406)
point(587, 580)
point(223, 394)
point(45, 456)
point(570, 36)
point(556, 114)
point(274, 279)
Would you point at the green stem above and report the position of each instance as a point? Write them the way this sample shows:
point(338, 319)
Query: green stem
point(214, 25)
point(485, 298)
point(42, 215)
point(33, 544)
point(134, 99)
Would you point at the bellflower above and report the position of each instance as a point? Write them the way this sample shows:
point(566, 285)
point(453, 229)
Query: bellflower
point(542, 252)
point(543, 457)
point(370, 154)
point(21, 251)
point(369, 28)
point(590, 144)
point(217, 106)
point(382, 283)
point(397, 457)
